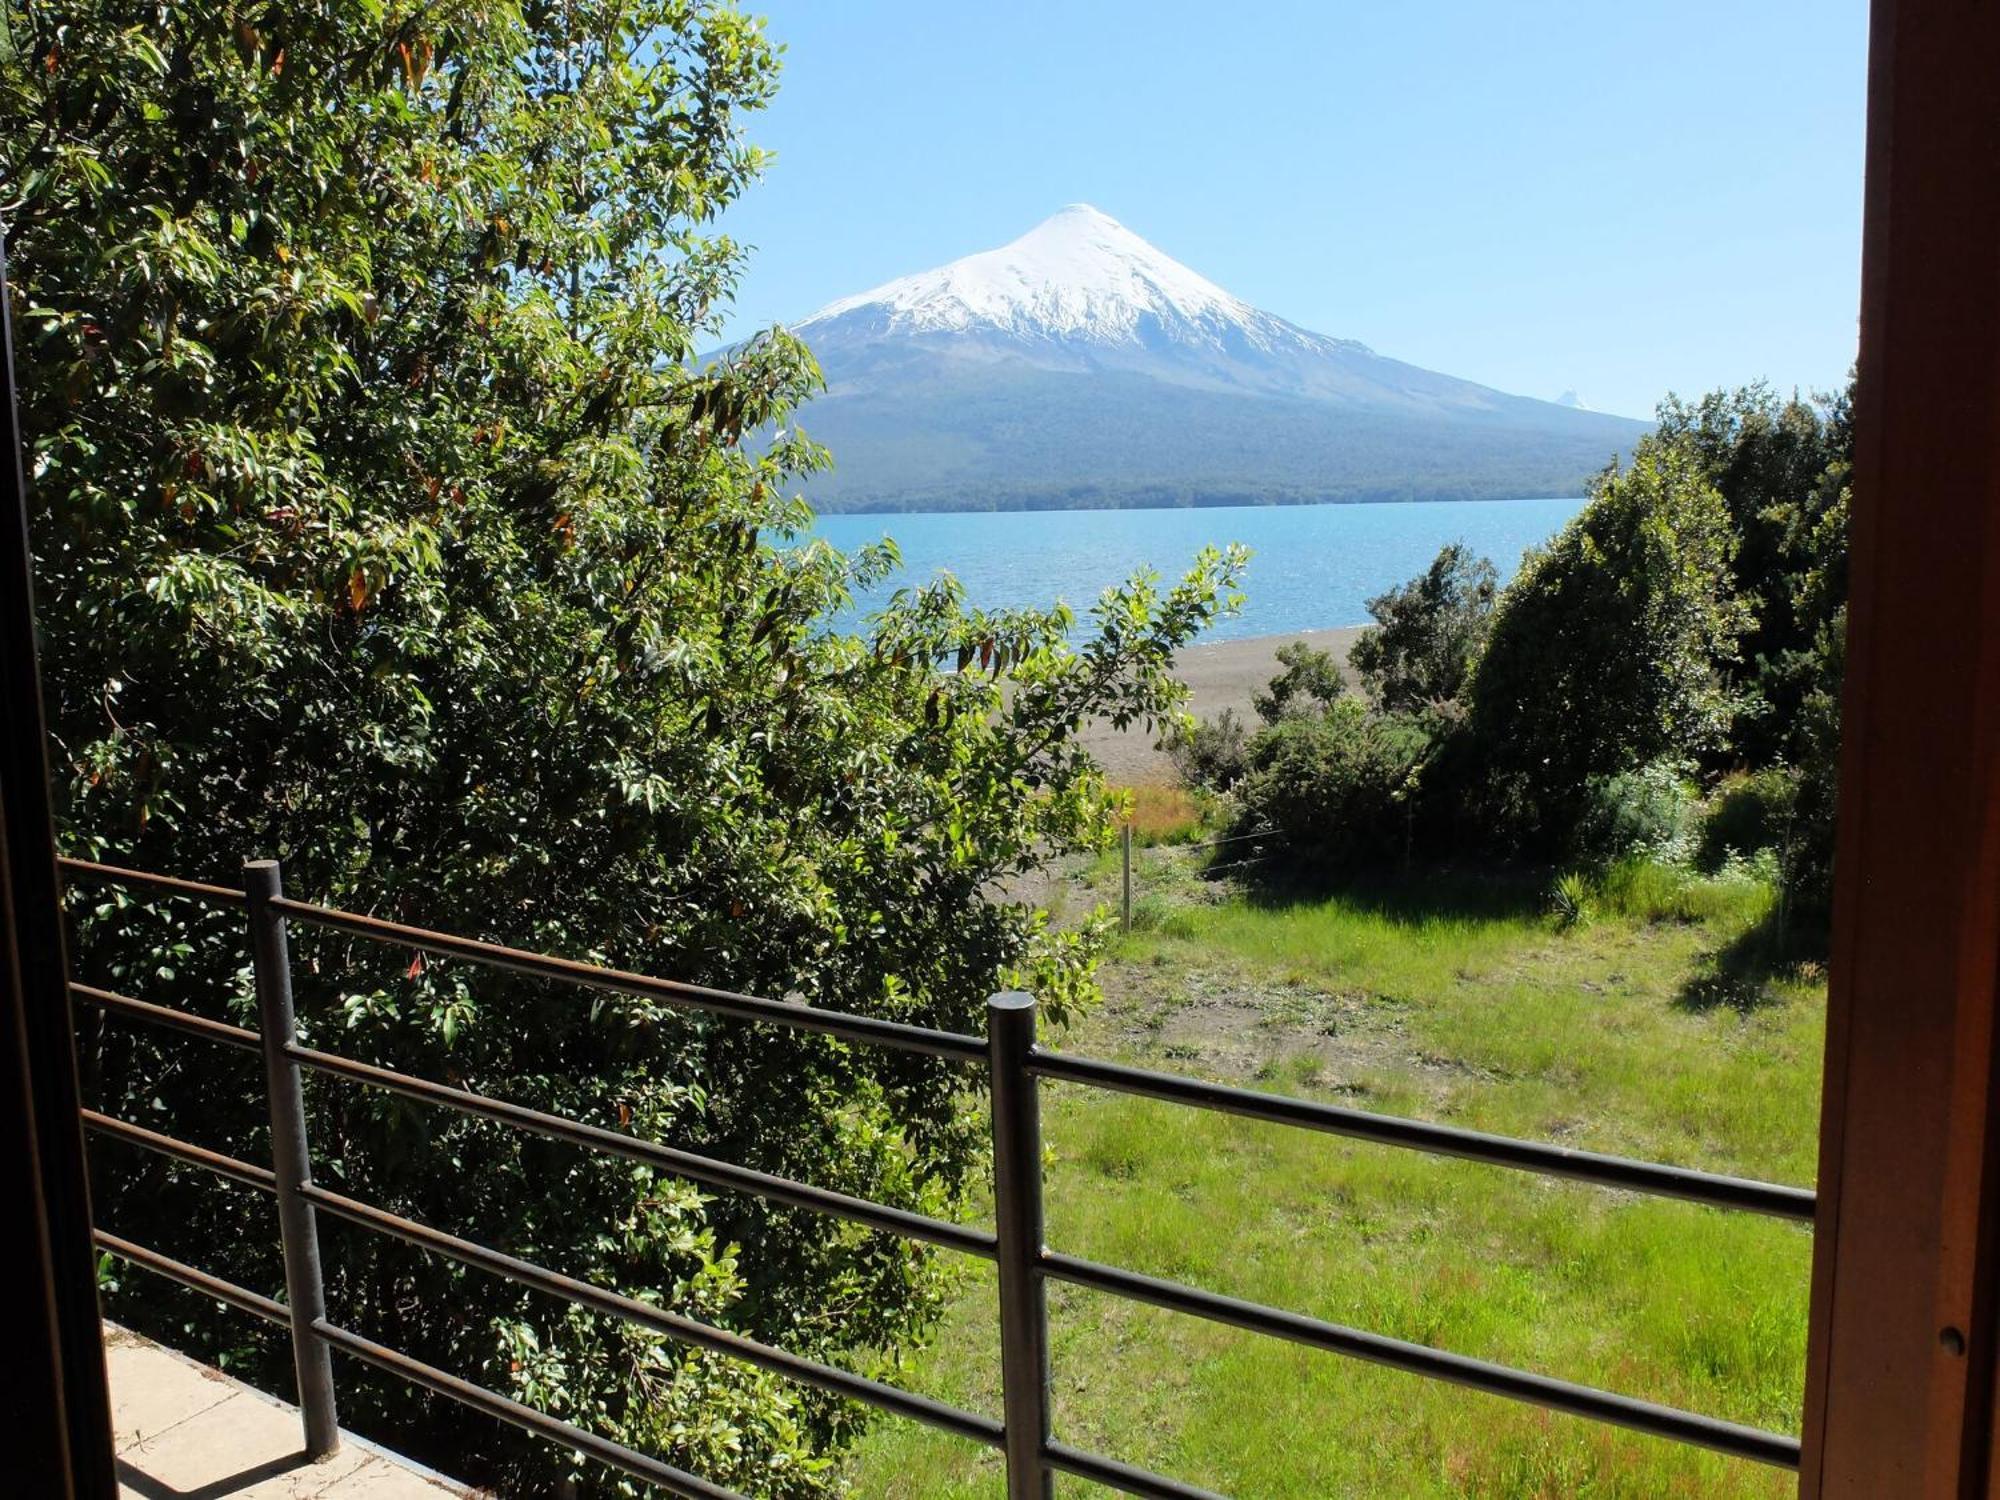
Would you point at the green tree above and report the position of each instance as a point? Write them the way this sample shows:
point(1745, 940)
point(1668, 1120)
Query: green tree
point(1781, 469)
point(1309, 684)
point(385, 523)
point(1427, 634)
point(1609, 651)
point(1811, 677)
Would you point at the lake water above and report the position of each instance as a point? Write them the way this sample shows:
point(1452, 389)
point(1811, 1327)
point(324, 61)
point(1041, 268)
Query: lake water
point(1312, 567)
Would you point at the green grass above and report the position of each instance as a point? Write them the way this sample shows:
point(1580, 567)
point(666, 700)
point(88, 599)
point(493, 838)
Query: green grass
point(1451, 1000)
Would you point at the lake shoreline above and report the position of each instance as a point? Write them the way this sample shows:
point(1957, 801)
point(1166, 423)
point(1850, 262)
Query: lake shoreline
point(1308, 564)
point(1219, 675)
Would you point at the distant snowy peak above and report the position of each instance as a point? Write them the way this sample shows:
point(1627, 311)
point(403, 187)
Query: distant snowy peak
point(1570, 399)
point(1077, 277)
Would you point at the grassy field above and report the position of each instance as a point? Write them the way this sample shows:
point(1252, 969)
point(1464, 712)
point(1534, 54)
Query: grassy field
point(1649, 1029)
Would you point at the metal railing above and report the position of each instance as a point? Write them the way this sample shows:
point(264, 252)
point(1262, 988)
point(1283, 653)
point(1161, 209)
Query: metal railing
point(1015, 1064)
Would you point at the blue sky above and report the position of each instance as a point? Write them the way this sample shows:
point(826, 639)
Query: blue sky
point(1621, 198)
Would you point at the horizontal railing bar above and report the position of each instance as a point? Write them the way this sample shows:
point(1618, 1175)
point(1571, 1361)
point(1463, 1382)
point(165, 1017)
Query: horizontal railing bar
point(160, 1015)
point(1119, 1476)
point(247, 1173)
point(688, 1330)
point(239, 1297)
point(868, 1029)
point(1440, 1140)
point(605, 1450)
point(680, 1163)
point(1437, 1364)
point(225, 895)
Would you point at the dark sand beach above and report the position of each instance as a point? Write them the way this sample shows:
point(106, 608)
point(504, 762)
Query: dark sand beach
point(1222, 675)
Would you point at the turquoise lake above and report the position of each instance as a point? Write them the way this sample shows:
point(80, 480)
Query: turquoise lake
point(1312, 567)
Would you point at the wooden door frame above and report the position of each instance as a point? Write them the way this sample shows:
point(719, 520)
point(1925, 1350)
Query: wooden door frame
point(59, 1440)
point(1900, 1368)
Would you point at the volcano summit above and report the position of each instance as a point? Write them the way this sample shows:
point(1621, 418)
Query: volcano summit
point(1080, 367)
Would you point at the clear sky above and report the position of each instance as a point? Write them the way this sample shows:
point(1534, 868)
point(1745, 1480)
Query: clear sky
point(1623, 197)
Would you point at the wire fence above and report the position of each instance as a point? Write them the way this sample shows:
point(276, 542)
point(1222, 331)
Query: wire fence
point(1128, 862)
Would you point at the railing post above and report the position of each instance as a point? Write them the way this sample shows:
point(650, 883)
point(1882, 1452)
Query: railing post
point(1017, 1213)
point(291, 1159)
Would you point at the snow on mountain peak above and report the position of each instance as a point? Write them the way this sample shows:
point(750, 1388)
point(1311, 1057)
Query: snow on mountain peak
point(1079, 274)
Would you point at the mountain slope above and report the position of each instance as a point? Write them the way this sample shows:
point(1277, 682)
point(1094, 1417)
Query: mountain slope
point(1080, 366)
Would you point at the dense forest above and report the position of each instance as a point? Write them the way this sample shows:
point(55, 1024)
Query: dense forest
point(1108, 440)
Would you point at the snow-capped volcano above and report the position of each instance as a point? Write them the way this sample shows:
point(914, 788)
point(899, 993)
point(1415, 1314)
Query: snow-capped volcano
point(1080, 290)
point(1079, 274)
point(1079, 365)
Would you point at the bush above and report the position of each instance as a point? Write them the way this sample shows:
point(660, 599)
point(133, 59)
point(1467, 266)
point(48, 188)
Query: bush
point(1428, 633)
point(1651, 812)
point(1310, 684)
point(1338, 788)
point(1748, 814)
point(1213, 753)
point(1571, 903)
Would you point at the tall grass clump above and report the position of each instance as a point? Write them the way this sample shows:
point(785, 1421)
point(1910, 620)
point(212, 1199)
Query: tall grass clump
point(1571, 902)
point(1164, 814)
point(1647, 890)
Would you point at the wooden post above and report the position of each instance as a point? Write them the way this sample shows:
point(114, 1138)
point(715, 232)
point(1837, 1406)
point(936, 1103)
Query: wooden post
point(1906, 1276)
point(1125, 843)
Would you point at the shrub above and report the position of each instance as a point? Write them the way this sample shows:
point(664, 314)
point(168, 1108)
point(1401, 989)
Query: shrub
point(1651, 812)
point(1427, 633)
point(1748, 814)
point(1212, 753)
point(1310, 684)
point(1571, 903)
point(1338, 788)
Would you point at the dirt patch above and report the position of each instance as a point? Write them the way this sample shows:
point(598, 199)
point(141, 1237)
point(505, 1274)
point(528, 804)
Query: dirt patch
point(1228, 1024)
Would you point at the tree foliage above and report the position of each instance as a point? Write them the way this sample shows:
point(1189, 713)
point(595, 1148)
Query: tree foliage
point(385, 524)
point(1781, 468)
point(1610, 650)
point(1427, 634)
point(1309, 684)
